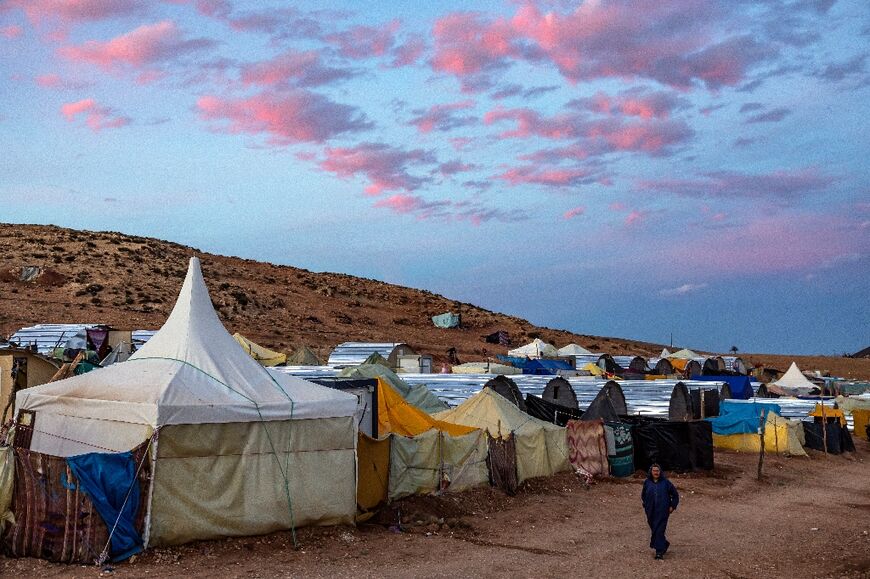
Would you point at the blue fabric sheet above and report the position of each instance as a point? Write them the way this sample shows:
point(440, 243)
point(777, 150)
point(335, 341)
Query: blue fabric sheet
point(741, 417)
point(545, 367)
point(741, 386)
point(106, 478)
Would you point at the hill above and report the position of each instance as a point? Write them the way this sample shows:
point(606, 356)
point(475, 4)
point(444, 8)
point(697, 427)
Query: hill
point(131, 282)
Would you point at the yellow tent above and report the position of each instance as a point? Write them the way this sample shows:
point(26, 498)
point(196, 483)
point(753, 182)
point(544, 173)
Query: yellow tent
point(781, 436)
point(861, 416)
point(830, 412)
point(398, 416)
point(541, 446)
point(593, 369)
point(264, 356)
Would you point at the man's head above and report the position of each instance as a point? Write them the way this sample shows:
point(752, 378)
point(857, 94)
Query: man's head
point(655, 472)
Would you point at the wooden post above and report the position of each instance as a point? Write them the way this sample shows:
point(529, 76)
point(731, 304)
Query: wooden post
point(761, 427)
point(824, 427)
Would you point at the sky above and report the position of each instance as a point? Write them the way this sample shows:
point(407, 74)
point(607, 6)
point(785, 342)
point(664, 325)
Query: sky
point(635, 168)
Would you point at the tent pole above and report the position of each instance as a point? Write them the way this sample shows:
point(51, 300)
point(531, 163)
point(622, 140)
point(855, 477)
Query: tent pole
point(824, 426)
point(761, 427)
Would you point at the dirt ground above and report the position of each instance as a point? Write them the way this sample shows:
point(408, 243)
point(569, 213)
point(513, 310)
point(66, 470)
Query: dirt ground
point(809, 517)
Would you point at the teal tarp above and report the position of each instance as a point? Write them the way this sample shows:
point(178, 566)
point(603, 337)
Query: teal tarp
point(741, 417)
point(448, 320)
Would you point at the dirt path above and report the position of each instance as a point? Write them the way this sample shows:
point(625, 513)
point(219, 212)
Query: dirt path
point(809, 518)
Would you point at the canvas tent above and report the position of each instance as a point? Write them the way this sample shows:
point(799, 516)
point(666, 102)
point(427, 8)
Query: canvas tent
point(736, 428)
point(793, 383)
point(684, 354)
point(261, 354)
point(535, 349)
point(573, 350)
point(303, 356)
point(541, 446)
point(486, 368)
point(686, 367)
point(241, 450)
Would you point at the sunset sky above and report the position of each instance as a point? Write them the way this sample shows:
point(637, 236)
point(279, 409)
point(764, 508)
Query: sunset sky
point(634, 168)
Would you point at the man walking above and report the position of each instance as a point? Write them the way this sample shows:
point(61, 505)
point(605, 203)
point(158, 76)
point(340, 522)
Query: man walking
point(660, 499)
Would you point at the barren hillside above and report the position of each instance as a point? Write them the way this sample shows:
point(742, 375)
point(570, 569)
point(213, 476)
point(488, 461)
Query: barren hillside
point(131, 282)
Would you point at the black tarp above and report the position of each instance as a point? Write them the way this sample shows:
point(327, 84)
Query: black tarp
point(676, 446)
point(500, 337)
point(555, 413)
point(839, 439)
point(608, 404)
point(711, 402)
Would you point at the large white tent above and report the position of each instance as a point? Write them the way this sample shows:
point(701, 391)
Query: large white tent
point(240, 451)
point(794, 383)
point(536, 349)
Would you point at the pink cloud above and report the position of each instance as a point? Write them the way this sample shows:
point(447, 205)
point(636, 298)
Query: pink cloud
point(361, 42)
point(409, 52)
point(96, 117)
point(446, 210)
point(12, 31)
point(145, 46)
point(68, 12)
point(786, 184)
point(637, 102)
point(385, 167)
point(618, 206)
point(636, 217)
point(674, 42)
point(596, 136)
point(443, 117)
point(290, 117)
point(557, 177)
point(298, 68)
point(574, 212)
point(54, 81)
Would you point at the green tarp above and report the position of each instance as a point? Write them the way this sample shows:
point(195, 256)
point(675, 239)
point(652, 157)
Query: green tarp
point(418, 395)
point(448, 320)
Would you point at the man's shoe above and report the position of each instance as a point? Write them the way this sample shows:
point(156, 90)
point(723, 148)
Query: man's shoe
point(659, 556)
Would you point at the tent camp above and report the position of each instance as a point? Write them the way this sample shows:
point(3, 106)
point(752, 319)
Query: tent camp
point(736, 428)
point(241, 450)
point(261, 354)
point(540, 446)
point(793, 383)
point(418, 394)
point(447, 321)
point(573, 350)
point(535, 349)
point(303, 356)
point(355, 353)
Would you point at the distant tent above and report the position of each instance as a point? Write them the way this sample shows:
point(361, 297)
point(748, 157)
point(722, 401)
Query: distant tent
point(684, 354)
point(559, 391)
point(486, 368)
point(608, 404)
point(593, 369)
point(660, 366)
point(303, 356)
point(736, 428)
point(680, 405)
point(264, 356)
point(120, 353)
point(686, 367)
point(573, 350)
point(508, 389)
point(541, 446)
point(631, 364)
point(793, 383)
point(397, 416)
point(689, 404)
point(735, 364)
point(418, 394)
point(376, 358)
point(534, 349)
point(447, 321)
point(499, 337)
point(713, 366)
point(665, 353)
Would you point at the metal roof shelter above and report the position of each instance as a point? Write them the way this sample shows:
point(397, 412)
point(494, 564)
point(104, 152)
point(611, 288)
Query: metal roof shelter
point(355, 353)
point(47, 337)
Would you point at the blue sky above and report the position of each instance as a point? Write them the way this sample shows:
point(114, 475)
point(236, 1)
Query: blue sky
point(633, 168)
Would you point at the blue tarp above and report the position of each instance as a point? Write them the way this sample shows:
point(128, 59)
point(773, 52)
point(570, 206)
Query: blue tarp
point(741, 386)
point(516, 361)
point(107, 478)
point(545, 367)
point(741, 417)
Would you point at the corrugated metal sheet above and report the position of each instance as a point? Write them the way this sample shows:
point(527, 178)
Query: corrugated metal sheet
point(355, 353)
point(47, 337)
point(735, 364)
point(140, 337)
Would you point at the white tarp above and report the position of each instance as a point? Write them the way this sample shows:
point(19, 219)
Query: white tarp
point(574, 350)
point(793, 382)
